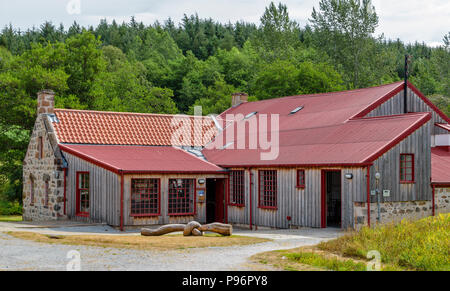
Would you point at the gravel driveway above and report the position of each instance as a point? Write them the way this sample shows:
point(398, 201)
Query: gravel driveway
point(17, 254)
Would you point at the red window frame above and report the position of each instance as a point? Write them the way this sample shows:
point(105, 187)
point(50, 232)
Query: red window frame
point(268, 189)
point(301, 179)
point(41, 147)
point(180, 199)
point(406, 165)
point(31, 191)
point(47, 192)
point(81, 201)
point(149, 197)
point(237, 188)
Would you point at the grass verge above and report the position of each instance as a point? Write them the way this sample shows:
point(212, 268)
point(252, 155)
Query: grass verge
point(422, 245)
point(166, 242)
point(10, 218)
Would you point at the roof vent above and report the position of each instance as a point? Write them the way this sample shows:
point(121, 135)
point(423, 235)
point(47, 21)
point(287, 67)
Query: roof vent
point(296, 110)
point(251, 115)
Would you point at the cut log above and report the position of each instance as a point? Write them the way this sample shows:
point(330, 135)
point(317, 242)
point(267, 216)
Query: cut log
point(220, 228)
point(165, 229)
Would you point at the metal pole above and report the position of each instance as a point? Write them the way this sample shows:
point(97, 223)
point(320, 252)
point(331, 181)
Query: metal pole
point(378, 203)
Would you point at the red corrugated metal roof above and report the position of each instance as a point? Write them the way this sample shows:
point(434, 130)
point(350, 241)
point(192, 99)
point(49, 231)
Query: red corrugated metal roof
point(141, 159)
point(358, 141)
point(444, 126)
point(115, 128)
point(440, 166)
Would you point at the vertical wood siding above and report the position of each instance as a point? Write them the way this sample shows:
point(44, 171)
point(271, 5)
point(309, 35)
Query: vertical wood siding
point(395, 105)
point(302, 205)
point(388, 165)
point(104, 192)
point(164, 218)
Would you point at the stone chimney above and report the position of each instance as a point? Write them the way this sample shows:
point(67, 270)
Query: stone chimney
point(46, 102)
point(238, 98)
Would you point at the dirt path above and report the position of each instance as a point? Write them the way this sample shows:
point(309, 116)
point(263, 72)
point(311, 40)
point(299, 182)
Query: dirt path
point(17, 254)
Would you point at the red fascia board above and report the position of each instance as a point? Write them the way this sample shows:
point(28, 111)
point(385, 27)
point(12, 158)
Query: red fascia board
point(378, 102)
point(90, 159)
point(428, 102)
point(422, 121)
point(443, 126)
point(441, 184)
point(174, 172)
point(299, 165)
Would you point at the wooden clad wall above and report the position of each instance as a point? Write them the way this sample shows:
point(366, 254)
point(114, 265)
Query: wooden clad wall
point(388, 165)
point(395, 105)
point(104, 192)
point(302, 205)
point(164, 218)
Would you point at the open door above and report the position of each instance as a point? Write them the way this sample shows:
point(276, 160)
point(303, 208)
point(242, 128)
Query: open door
point(331, 198)
point(215, 206)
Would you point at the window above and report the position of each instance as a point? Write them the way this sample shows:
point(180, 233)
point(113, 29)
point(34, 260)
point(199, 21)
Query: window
point(47, 190)
point(237, 188)
point(268, 189)
point(41, 147)
point(83, 193)
point(31, 190)
point(300, 178)
point(406, 168)
point(145, 197)
point(181, 196)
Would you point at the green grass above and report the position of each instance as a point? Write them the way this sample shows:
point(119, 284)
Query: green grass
point(422, 245)
point(320, 261)
point(10, 218)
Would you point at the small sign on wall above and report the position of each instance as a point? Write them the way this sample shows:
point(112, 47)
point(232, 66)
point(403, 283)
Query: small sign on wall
point(201, 195)
point(386, 193)
point(373, 192)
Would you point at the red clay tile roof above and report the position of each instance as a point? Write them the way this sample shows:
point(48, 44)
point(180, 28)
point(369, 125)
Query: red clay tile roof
point(440, 166)
point(141, 159)
point(114, 128)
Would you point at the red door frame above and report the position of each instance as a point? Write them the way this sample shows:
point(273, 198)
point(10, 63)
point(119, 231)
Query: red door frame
point(220, 211)
point(323, 200)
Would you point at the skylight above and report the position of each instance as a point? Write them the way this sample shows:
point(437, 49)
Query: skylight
point(296, 110)
point(250, 115)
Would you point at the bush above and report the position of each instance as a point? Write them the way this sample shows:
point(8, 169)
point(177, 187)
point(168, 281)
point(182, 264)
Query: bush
point(10, 208)
point(417, 245)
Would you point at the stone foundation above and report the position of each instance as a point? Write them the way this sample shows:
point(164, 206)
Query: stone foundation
point(391, 212)
point(442, 199)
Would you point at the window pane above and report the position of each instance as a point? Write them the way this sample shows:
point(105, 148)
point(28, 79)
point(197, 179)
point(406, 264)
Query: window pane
point(181, 196)
point(145, 196)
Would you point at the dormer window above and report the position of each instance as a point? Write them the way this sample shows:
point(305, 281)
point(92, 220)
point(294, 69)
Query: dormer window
point(296, 110)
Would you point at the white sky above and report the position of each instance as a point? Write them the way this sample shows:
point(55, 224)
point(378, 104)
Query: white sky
point(409, 20)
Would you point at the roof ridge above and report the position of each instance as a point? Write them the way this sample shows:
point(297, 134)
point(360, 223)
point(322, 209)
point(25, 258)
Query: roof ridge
point(320, 94)
point(128, 113)
point(395, 116)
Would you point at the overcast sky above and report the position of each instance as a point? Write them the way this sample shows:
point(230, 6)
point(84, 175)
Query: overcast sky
point(409, 20)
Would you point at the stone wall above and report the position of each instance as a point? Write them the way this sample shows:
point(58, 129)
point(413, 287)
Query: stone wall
point(39, 170)
point(391, 212)
point(442, 199)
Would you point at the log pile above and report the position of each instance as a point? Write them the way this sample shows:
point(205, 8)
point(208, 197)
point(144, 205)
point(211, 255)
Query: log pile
point(193, 228)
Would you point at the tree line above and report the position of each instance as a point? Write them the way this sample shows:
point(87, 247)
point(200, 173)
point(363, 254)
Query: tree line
point(170, 68)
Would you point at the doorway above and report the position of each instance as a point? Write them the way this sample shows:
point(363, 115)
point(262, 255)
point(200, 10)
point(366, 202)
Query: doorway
point(331, 198)
point(215, 204)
